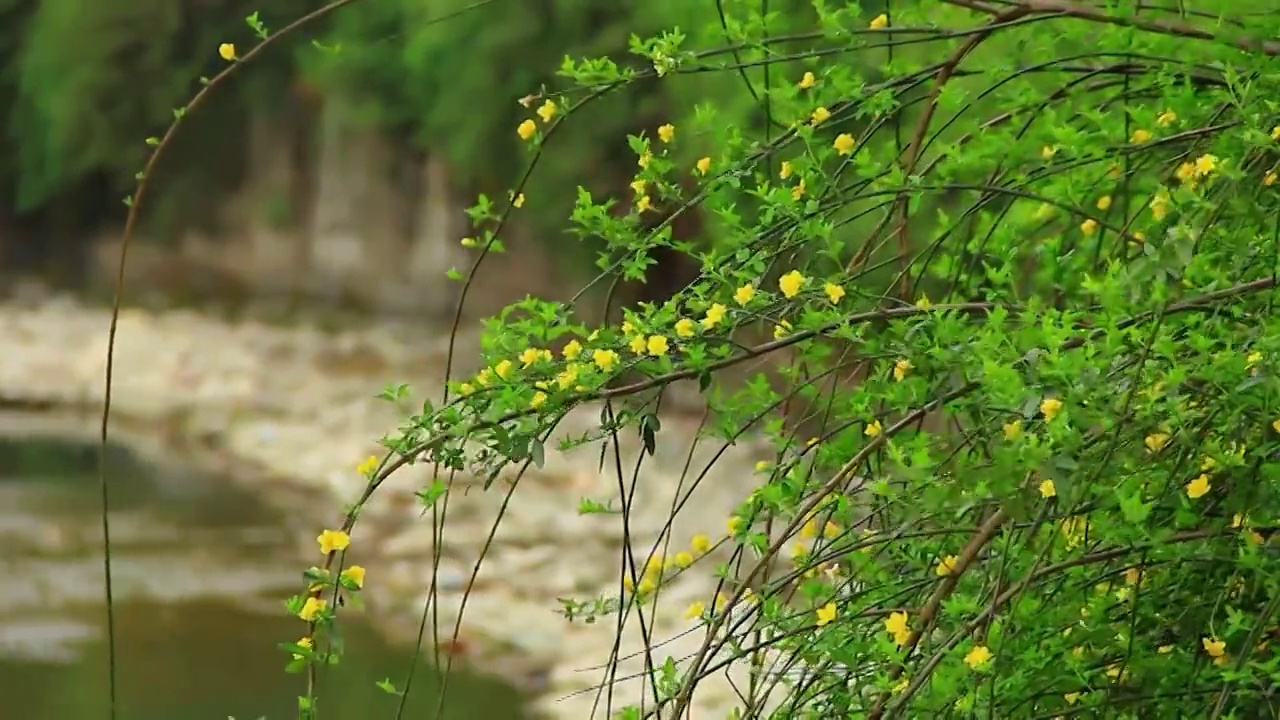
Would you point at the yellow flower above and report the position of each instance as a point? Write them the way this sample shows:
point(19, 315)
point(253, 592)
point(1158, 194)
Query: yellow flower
point(628, 584)
point(227, 51)
point(312, 608)
point(1050, 407)
point(466, 388)
point(1104, 202)
point(484, 377)
point(1071, 697)
point(897, 626)
point(527, 129)
point(797, 192)
point(529, 356)
point(879, 22)
point(638, 345)
point(791, 283)
point(781, 329)
point(1213, 646)
point(503, 369)
point(1275, 133)
point(1140, 136)
point(1206, 164)
point(684, 328)
point(1089, 227)
point(1164, 649)
point(657, 345)
point(1186, 173)
point(638, 186)
point(834, 292)
point(1269, 179)
point(924, 303)
point(873, 429)
point(700, 544)
point(826, 614)
point(762, 465)
point(652, 566)
point(807, 80)
point(977, 657)
point(809, 529)
point(644, 159)
point(714, 315)
point(538, 398)
point(684, 558)
point(667, 133)
point(703, 166)
point(843, 143)
point(1167, 118)
point(733, 524)
point(518, 201)
point(784, 171)
point(355, 574)
point(548, 110)
point(694, 610)
point(1013, 429)
point(820, 115)
point(333, 540)
point(305, 642)
point(1048, 151)
point(1132, 575)
point(1048, 489)
point(644, 204)
point(743, 295)
point(647, 585)
point(628, 327)
point(567, 377)
point(831, 530)
point(1275, 425)
point(367, 466)
point(945, 566)
point(1155, 442)
point(606, 360)
point(1197, 488)
point(901, 369)
point(572, 350)
point(1160, 204)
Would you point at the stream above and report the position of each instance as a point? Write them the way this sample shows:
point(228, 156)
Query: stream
point(200, 571)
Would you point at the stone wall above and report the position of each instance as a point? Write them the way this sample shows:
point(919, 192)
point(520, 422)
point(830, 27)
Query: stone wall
point(334, 211)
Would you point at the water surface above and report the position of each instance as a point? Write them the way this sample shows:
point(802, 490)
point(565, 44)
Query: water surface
point(200, 571)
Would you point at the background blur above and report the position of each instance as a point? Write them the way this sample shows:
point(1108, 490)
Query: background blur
point(332, 170)
point(290, 261)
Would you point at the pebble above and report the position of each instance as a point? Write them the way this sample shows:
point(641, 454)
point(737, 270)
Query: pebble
point(275, 400)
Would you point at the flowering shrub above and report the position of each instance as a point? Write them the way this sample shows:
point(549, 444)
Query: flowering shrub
point(1015, 262)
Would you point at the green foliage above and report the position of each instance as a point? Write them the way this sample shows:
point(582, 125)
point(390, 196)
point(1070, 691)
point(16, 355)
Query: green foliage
point(1018, 267)
point(82, 83)
point(69, 113)
point(1063, 261)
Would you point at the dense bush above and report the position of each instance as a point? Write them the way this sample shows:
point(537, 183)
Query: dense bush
point(1043, 237)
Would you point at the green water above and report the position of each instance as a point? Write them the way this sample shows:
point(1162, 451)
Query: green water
point(199, 570)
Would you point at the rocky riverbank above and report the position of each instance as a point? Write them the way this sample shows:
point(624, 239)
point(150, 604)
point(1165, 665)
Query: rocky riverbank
point(291, 411)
